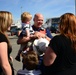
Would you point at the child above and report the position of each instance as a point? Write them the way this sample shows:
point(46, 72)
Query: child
point(30, 60)
point(26, 31)
point(40, 45)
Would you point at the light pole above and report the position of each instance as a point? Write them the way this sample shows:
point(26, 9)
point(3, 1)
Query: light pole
point(21, 9)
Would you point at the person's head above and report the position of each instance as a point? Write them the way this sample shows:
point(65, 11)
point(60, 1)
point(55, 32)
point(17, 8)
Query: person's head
point(30, 60)
point(26, 17)
point(40, 45)
point(68, 27)
point(38, 20)
point(67, 24)
point(6, 20)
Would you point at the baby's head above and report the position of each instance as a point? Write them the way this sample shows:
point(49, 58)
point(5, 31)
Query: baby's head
point(40, 45)
point(30, 60)
point(26, 17)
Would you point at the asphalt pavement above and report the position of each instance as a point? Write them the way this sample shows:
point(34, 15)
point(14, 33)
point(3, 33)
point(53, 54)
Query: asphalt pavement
point(17, 65)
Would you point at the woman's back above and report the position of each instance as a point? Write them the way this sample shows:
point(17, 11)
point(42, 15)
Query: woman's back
point(65, 63)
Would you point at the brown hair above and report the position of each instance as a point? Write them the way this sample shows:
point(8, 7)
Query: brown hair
point(68, 27)
point(30, 60)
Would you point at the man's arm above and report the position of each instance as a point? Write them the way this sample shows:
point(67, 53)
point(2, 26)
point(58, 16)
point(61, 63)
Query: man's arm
point(41, 35)
point(47, 38)
point(22, 40)
point(48, 33)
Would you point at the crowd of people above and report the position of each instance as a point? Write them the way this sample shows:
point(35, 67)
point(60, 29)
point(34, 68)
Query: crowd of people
point(42, 54)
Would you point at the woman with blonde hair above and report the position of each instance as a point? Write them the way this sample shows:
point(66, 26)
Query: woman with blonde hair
point(6, 67)
point(60, 56)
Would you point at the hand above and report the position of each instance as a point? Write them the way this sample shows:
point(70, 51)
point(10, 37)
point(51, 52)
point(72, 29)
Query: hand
point(39, 35)
point(11, 58)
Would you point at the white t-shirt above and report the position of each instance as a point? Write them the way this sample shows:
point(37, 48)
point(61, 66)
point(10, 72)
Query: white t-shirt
point(28, 72)
point(27, 27)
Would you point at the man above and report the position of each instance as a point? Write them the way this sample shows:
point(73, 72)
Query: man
point(40, 32)
point(37, 26)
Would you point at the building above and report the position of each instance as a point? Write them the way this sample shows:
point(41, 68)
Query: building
point(17, 24)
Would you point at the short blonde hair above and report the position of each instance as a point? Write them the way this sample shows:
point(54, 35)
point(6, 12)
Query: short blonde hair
point(30, 60)
point(26, 16)
point(5, 20)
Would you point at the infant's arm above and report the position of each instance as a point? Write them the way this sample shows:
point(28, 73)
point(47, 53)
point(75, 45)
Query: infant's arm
point(27, 33)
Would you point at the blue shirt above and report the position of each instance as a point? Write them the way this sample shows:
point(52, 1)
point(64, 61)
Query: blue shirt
point(48, 33)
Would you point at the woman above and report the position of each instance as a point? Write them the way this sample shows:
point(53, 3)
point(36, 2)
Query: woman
point(6, 67)
point(60, 56)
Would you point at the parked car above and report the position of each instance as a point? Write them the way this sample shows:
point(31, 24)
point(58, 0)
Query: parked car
point(14, 30)
point(18, 31)
point(54, 28)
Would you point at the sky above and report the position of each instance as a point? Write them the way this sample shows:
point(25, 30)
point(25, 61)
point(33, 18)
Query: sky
point(49, 8)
